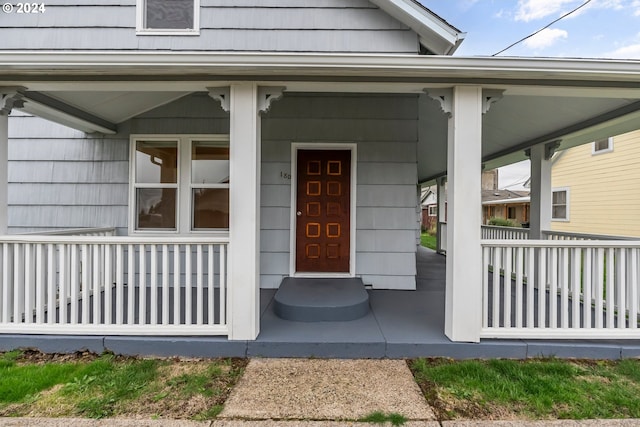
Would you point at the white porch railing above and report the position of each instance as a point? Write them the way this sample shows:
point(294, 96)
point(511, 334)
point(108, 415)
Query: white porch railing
point(560, 289)
point(97, 231)
point(113, 285)
point(563, 235)
point(497, 232)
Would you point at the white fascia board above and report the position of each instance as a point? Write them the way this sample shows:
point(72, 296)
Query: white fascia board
point(425, 23)
point(508, 201)
point(47, 64)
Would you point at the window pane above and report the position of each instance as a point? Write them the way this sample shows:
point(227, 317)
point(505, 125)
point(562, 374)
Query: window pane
point(209, 163)
point(210, 208)
point(602, 144)
point(156, 162)
point(156, 208)
point(559, 212)
point(559, 197)
point(170, 14)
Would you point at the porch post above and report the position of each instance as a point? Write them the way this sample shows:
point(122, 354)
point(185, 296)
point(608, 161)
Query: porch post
point(441, 212)
point(9, 98)
point(244, 212)
point(540, 210)
point(463, 309)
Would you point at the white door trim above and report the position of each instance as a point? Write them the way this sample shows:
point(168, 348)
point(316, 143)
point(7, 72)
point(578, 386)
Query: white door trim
point(294, 189)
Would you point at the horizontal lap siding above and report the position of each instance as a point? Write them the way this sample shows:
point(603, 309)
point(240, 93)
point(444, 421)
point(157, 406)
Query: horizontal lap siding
point(62, 178)
point(385, 130)
point(276, 25)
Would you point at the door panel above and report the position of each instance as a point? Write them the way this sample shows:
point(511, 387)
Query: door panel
point(323, 216)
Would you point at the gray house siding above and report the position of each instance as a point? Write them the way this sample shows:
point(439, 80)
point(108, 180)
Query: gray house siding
point(385, 130)
point(257, 25)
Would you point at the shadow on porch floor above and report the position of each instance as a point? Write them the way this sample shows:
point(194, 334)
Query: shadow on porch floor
point(401, 324)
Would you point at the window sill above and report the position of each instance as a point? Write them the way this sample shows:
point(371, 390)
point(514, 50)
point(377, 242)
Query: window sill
point(167, 32)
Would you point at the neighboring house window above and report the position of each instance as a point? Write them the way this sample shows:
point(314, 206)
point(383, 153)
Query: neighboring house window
point(433, 210)
point(168, 16)
point(511, 212)
point(180, 184)
point(602, 146)
point(560, 204)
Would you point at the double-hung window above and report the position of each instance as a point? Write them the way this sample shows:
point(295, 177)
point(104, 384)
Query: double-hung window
point(179, 184)
point(158, 17)
point(560, 204)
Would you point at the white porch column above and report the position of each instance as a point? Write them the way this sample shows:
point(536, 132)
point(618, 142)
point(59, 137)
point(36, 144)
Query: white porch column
point(244, 212)
point(540, 211)
point(463, 307)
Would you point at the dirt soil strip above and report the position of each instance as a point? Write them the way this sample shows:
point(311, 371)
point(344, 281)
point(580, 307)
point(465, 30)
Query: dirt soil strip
point(313, 389)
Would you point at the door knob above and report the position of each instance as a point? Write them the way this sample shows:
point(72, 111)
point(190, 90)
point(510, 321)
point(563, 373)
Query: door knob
point(299, 213)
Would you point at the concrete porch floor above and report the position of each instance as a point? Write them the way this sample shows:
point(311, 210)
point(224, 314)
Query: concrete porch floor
point(401, 324)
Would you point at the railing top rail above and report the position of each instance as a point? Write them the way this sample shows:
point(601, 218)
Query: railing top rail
point(504, 227)
point(512, 243)
point(588, 236)
point(115, 240)
point(70, 231)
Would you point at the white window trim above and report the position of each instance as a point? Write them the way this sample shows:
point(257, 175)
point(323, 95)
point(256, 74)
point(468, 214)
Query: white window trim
point(183, 186)
point(568, 192)
point(595, 152)
point(294, 188)
point(433, 208)
point(142, 31)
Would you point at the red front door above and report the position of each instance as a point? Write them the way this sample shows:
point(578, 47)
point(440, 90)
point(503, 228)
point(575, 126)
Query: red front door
point(323, 217)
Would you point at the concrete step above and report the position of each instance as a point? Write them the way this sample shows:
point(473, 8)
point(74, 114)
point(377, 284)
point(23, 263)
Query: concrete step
point(321, 300)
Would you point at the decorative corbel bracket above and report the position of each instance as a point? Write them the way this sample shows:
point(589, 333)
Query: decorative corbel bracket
point(549, 149)
point(10, 98)
point(267, 95)
point(222, 95)
point(490, 97)
point(443, 96)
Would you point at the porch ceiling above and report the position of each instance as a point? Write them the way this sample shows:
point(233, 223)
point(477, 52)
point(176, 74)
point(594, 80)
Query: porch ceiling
point(575, 101)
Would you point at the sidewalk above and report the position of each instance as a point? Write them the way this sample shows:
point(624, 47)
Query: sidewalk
point(317, 393)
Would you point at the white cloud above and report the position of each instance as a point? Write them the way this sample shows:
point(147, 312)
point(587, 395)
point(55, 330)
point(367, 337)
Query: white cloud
point(529, 10)
point(626, 52)
point(636, 6)
point(545, 38)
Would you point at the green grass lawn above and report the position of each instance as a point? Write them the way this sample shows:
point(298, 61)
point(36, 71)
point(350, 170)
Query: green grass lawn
point(428, 241)
point(33, 384)
point(531, 389)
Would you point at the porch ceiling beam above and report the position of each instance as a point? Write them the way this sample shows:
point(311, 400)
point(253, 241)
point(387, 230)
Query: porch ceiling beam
point(50, 108)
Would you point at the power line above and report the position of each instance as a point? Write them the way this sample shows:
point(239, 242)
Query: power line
point(543, 28)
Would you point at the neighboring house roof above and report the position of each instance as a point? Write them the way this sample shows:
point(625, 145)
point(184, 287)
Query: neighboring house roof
point(436, 34)
point(502, 196)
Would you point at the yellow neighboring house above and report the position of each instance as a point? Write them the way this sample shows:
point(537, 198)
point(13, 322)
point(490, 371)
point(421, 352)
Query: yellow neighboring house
point(596, 187)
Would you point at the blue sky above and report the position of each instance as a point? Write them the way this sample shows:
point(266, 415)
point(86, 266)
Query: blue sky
point(601, 29)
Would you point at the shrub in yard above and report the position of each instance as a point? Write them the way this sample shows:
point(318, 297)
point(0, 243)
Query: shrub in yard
point(502, 222)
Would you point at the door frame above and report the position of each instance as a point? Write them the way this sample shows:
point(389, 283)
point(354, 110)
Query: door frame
point(295, 146)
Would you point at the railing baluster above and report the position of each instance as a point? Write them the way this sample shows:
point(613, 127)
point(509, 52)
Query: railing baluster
point(40, 265)
point(131, 284)
point(495, 321)
point(154, 285)
point(621, 291)
point(610, 289)
point(52, 288)
point(531, 282)
point(485, 287)
point(587, 286)
point(28, 285)
point(187, 285)
point(108, 306)
point(211, 285)
point(142, 286)
point(86, 284)
point(576, 260)
point(18, 284)
point(176, 285)
point(599, 288)
point(633, 288)
point(165, 284)
point(542, 287)
point(507, 288)
point(97, 288)
point(519, 286)
point(63, 277)
point(564, 289)
point(75, 289)
point(553, 289)
point(119, 286)
point(223, 285)
point(199, 286)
